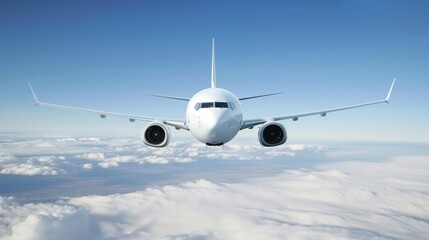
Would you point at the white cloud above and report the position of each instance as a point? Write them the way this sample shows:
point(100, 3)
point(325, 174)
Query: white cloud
point(44, 145)
point(156, 159)
point(92, 156)
point(296, 147)
point(42, 221)
point(41, 165)
point(66, 139)
point(87, 166)
point(4, 158)
point(58, 154)
point(183, 160)
point(46, 159)
point(123, 159)
point(89, 139)
point(346, 200)
point(108, 164)
point(30, 170)
point(192, 151)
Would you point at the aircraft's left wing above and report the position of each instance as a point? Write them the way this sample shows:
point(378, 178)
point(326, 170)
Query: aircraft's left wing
point(254, 122)
point(103, 114)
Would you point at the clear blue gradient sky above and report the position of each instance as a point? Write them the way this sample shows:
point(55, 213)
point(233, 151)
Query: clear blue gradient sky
point(321, 54)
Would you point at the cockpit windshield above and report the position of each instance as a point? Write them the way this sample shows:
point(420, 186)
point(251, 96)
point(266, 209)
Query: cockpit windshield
point(214, 104)
point(221, 105)
point(206, 105)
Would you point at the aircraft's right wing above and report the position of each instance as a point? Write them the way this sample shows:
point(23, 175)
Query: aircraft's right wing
point(104, 114)
point(254, 122)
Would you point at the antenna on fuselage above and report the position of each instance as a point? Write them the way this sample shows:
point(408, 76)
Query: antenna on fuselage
point(213, 65)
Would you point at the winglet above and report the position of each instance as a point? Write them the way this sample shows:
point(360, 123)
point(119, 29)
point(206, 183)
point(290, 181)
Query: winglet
point(390, 91)
point(34, 95)
point(213, 65)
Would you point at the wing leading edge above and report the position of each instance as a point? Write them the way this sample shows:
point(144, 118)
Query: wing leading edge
point(254, 122)
point(104, 114)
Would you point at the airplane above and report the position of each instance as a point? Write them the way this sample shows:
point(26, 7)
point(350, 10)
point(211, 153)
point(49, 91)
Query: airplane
point(213, 116)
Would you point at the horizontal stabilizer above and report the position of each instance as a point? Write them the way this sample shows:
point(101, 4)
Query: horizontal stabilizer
point(169, 97)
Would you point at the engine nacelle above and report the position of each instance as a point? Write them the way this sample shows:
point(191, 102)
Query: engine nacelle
point(156, 134)
point(272, 134)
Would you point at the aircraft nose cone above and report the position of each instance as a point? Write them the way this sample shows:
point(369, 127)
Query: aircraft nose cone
point(213, 126)
point(211, 122)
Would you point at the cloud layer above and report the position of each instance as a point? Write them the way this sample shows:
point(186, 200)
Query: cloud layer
point(58, 155)
point(348, 200)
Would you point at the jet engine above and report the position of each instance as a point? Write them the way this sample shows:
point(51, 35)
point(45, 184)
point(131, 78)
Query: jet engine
point(156, 134)
point(272, 134)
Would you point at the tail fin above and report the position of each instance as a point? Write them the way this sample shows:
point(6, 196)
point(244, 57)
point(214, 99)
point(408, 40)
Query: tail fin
point(213, 65)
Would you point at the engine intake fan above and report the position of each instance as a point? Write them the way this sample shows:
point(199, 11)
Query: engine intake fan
point(156, 135)
point(272, 134)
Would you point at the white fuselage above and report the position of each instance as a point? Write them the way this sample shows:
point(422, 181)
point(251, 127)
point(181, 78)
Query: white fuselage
point(214, 116)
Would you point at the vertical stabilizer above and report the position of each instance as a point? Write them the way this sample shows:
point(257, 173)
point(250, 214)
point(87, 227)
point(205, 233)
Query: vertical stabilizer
point(213, 65)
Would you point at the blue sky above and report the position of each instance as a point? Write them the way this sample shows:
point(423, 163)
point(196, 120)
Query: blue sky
point(106, 54)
